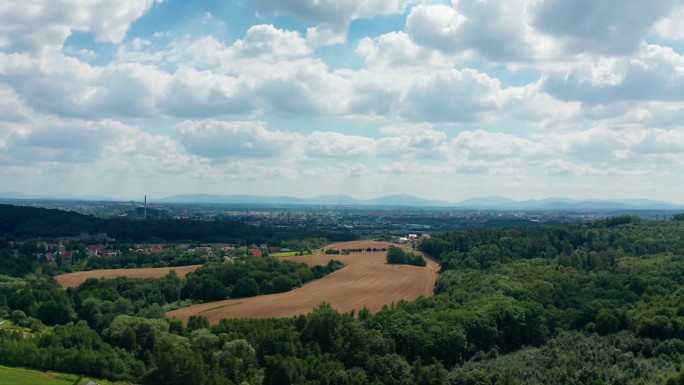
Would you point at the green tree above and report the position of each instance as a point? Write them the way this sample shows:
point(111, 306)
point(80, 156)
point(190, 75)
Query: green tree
point(323, 326)
point(196, 322)
point(238, 361)
point(245, 287)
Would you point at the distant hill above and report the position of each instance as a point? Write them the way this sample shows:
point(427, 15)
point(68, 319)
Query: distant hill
point(404, 200)
point(399, 200)
point(499, 203)
point(328, 200)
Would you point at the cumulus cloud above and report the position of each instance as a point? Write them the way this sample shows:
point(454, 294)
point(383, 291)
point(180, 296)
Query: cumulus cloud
point(65, 86)
point(658, 141)
point(485, 145)
point(329, 20)
point(192, 93)
point(656, 73)
point(304, 87)
point(564, 168)
point(220, 140)
point(38, 25)
point(533, 105)
point(337, 145)
point(50, 139)
point(261, 43)
point(396, 49)
point(496, 30)
point(519, 89)
point(672, 26)
point(598, 26)
point(266, 40)
point(618, 145)
point(340, 171)
point(454, 96)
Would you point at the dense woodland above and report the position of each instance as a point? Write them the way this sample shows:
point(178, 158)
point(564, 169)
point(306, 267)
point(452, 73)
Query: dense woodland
point(18, 222)
point(592, 303)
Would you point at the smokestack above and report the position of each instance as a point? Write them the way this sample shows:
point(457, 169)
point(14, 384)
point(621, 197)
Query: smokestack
point(145, 211)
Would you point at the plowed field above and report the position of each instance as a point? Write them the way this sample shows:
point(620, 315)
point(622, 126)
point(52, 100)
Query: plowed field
point(75, 279)
point(366, 280)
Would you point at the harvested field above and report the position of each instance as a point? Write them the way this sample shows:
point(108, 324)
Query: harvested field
point(75, 279)
point(364, 244)
point(366, 280)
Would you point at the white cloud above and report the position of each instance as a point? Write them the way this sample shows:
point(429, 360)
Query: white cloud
point(222, 140)
point(451, 96)
point(672, 26)
point(98, 143)
point(262, 43)
point(303, 87)
point(38, 25)
point(496, 30)
point(192, 93)
point(395, 49)
point(333, 144)
point(598, 26)
point(539, 109)
point(329, 19)
point(484, 145)
point(340, 171)
point(65, 86)
point(12, 108)
point(564, 168)
point(655, 73)
point(266, 40)
point(468, 98)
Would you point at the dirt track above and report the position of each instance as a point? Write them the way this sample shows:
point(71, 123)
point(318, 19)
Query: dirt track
point(366, 280)
point(75, 279)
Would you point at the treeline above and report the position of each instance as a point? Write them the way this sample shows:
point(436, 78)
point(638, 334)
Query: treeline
point(397, 255)
point(585, 245)
point(99, 301)
point(596, 303)
point(249, 277)
point(167, 258)
point(19, 222)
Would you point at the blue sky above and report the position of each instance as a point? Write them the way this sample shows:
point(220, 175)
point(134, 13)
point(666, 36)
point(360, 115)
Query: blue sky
point(444, 100)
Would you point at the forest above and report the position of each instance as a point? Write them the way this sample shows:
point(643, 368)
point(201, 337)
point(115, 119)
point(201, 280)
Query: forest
point(600, 302)
point(25, 222)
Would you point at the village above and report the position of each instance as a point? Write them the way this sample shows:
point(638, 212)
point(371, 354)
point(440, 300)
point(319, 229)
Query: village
point(66, 251)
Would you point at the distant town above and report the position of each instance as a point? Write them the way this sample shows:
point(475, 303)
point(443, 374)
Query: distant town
point(397, 222)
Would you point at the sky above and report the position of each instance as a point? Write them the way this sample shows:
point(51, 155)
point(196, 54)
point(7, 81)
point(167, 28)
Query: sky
point(442, 100)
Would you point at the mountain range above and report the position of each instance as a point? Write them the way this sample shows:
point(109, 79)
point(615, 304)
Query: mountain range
point(481, 203)
point(399, 200)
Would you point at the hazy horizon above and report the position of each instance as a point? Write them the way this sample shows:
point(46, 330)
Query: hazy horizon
point(526, 99)
point(476, 201)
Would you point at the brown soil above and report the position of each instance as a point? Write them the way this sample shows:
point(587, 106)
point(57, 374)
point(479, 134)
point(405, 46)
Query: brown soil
point(366, 280)
point(360, 245)
point(75, 279)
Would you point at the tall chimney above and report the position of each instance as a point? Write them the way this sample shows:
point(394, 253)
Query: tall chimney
point(145, 211)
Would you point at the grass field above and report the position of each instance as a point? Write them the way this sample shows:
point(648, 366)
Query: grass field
point(15, 376)
point(366, 280)
point(20, 376)
point(281, 254)
point(75, 279)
